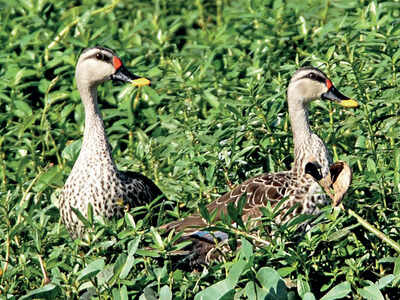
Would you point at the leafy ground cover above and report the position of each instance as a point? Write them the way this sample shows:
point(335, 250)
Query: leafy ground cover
point(215, 115)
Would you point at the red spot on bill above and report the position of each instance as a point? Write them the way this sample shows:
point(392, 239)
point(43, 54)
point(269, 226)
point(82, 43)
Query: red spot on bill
point(328, 84)
point(117, 63)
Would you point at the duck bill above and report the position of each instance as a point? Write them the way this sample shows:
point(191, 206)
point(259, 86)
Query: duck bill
point(141, 81)
point(122, 74)
point(334, 95)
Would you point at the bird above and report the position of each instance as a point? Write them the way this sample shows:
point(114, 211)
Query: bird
point(94, 179)
point(300, 185)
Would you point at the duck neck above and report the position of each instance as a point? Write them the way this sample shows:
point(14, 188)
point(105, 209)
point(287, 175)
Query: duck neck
point(95, 142)
point(298, 114)
point(302, 134)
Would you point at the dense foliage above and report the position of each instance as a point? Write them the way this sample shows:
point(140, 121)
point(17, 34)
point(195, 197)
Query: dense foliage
point(215, 115)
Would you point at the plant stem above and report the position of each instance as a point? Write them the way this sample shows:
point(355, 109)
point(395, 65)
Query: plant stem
point(375, 231)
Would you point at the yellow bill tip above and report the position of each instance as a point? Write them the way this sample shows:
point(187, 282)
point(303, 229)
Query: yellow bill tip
point(140, 82)
point(350, 103)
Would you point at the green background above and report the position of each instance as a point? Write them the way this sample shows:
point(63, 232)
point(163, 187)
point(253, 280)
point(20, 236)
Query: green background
point(215, 115)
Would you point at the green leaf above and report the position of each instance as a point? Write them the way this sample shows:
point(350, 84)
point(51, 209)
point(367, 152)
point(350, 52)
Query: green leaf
point(90, 214)
point(133, 246)
point(81, 217)
point(216, 291)
point(384, 281)
point(49, 291)
point(329, 53)
point(130, 221)
point(308, 296)
point(371, 293)
point(371, 166)
point(212, 100)
point(337, 292)
point(157, 238)
point(150, 253)
point(120, 264)
point(207, 139)
point(22, 109)
point(91, 269)
point(105, 275)
point(120, 293)
point(160, 273)
point(152, 95)
point(222, 288)
point(285, 271)
point(302, 286)
point(148, 294)
point(204, 212)
point(396, 271)
point(246, 250)
point(165, 293)
point(48, 178)
point(71, 151)
point(272, 285)
point(130, 260)
point(337, 235)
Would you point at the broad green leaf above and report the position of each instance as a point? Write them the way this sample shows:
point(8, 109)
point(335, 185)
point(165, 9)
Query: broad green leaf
point(157, 238)
point(105, 275)
point(384, 281)
point(130, 260)
point(22, 109)
point(371, 292)
point(246, 250)
point(133, 246)
point(165, 293)
point(48, 291)
point(222, 288)
point(285, 271)
point(150, 253)
point(371, 166)
point(91, 269)
point(120, 264)
point(272, 285)
point(148, 294)
point(308, 296)
point(302, 286)
point(338, 292)
point(71, 151)
point(120, 293)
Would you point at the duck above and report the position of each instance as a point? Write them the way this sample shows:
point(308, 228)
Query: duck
point(94, 179)
point(303, 186)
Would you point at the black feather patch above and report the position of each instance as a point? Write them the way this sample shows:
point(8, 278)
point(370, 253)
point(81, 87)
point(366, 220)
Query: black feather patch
point(314, 171)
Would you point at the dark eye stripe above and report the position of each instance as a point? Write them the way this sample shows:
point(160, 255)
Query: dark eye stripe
point(102, 56)
point(315, 77)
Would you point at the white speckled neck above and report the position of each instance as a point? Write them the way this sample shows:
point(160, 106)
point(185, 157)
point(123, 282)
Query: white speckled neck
point(298, 114)
point(95, 142)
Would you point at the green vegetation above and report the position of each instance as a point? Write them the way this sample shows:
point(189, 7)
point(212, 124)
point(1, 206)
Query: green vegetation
point(215, 115)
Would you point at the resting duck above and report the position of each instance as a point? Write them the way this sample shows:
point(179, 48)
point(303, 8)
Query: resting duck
point(300, 185)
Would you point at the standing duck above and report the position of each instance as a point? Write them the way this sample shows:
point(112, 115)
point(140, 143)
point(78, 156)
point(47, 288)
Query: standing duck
point(95, 179)
point(300, 185)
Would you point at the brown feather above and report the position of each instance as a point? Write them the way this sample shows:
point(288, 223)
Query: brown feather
point(259, 191)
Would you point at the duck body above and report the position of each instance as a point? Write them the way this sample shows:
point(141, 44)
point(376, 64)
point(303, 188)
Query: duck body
point(94, 178)
point(261, 190)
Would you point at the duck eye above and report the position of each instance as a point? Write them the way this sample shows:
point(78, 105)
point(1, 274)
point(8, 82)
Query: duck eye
point(311, 76)
point(100, 56)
